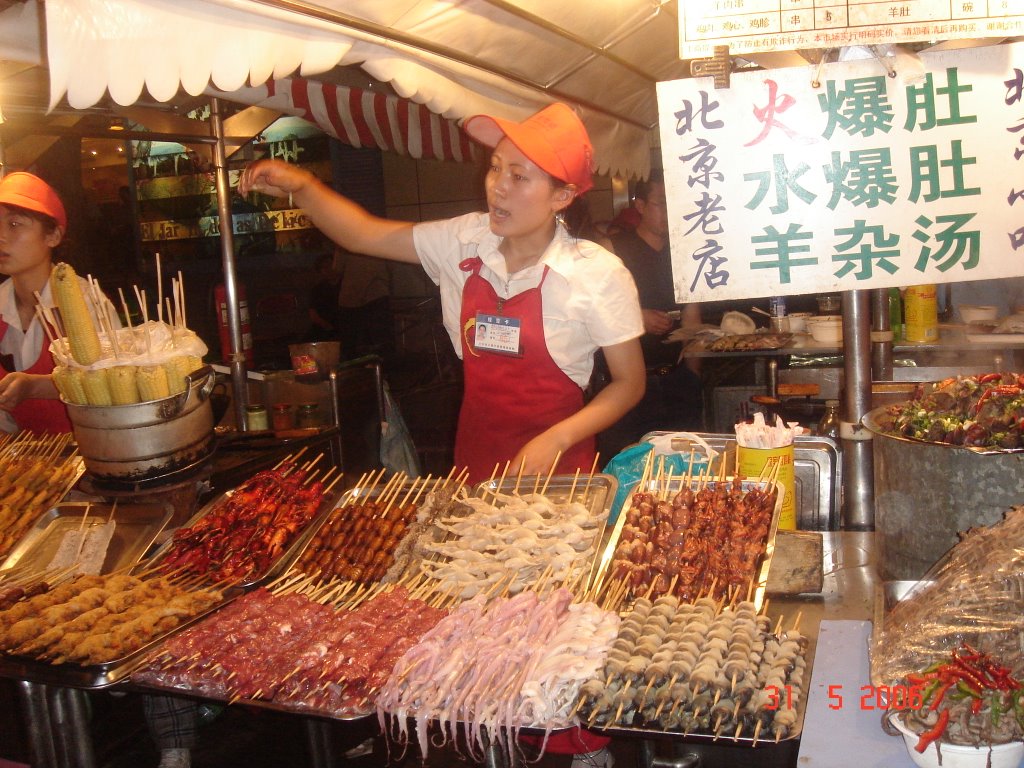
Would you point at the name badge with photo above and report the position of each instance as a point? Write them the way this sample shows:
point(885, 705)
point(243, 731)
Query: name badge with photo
point(497, 333)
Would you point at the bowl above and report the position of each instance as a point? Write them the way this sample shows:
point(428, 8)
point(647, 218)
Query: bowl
point(797, 322)
point(977, 313)
point(826, 331)
point(958, 755)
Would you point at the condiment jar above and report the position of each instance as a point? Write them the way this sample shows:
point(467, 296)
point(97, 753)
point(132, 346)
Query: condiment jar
point(256, 418)
point(308, 416)
point(283, 417)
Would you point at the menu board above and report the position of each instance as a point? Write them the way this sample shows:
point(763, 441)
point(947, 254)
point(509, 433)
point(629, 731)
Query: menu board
point(758, 26)
point(800, 180)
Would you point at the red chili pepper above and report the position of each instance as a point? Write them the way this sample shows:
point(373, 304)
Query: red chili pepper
point(976, 706)
point(939, 694)
point(934, 732)
point(985, 378)
point(1002, 389)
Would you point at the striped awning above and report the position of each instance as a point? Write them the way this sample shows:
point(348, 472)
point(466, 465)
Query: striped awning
point(363, 118)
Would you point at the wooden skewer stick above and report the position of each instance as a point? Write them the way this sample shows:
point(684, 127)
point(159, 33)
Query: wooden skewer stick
point(551, 471)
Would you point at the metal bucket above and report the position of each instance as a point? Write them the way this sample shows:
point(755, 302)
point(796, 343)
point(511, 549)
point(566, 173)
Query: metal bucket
point(926, 493)
point(145, 442)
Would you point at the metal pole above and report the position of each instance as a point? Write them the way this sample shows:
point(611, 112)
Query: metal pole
point(227, 247)
point(858, 472)
point(881, 336)
point(41, 746)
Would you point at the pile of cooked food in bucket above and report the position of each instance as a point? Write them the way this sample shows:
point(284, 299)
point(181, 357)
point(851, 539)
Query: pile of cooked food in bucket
point(981, 411)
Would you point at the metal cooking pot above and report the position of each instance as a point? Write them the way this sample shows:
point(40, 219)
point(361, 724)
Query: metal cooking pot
point(146, 441)
point(926, 493)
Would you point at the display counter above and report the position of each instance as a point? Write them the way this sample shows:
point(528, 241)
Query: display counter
point(848, 596)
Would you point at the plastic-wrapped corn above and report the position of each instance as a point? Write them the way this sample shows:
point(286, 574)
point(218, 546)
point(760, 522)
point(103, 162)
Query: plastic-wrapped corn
point(82, 337)
point(152, 382)
point(69, 383)
point(123, 387)
point(97, 387)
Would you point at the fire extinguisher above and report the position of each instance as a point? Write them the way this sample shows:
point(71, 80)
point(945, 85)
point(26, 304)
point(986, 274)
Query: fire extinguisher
point(221, 297)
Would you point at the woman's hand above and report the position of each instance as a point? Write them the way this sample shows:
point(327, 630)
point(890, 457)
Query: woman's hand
point(18, 386)
point(538, 456)
point(656, 321)
point(273, 177)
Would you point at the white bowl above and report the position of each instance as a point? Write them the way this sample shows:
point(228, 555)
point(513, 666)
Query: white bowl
point(797, 322)
point(977, 313)
point(826, 331)
point(956, 755)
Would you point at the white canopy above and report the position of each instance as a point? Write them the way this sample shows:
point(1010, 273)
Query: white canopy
point(502, 57)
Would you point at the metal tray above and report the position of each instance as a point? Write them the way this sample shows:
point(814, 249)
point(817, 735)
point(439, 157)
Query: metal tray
point(597, 491)
point(284, 560)
point(673, 487)
point(817, 476)
point(136, 528)
point(94, 676)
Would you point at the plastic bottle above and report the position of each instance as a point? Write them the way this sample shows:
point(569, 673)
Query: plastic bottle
point(921, 313)
point(896, 314)
point(829, 424)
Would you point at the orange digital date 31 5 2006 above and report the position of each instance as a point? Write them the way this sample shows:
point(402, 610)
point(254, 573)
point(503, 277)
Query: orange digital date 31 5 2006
point(870, 697)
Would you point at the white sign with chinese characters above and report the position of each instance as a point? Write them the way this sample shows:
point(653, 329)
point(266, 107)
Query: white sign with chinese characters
point(759, 26)
point(776, 187)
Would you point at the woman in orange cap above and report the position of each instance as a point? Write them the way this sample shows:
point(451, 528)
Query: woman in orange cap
point(32, 224)
point(549, 301)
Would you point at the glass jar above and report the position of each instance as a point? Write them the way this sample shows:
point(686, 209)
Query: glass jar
point(308, 415)
point(829, 424)
point(283, 417)
point(256, 418)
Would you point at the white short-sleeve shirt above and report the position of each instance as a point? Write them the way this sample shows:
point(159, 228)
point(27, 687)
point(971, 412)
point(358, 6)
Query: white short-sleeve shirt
point(589, 299)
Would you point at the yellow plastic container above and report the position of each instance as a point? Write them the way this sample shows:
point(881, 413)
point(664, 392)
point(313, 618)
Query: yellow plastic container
point(921, 313)
point(753, 462)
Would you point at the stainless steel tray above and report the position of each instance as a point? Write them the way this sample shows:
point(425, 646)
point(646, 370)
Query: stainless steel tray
point(673, 487)
point(94, 676)
point(284, 560)
point(596, 491)
point(817, 476)
point(136, 528)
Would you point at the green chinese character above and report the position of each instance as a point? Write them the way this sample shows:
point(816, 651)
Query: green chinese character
point(784, 181)
point(867, 179)
point(925, 171)
point(783, 247)
point(861, 107)
point(953, 243)
point(921, 99)
point(873, 249)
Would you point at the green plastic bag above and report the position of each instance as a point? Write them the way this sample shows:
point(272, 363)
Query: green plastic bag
point(627, 466)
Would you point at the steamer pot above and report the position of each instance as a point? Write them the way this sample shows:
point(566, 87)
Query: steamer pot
point(147, 441)
point(926, 493)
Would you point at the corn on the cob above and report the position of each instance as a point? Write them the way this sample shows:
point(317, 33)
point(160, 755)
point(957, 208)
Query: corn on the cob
point(175, 381)
point(97, 387)
point(123, 388)
point(74, 314)
point(152, 382)
point(69, 383)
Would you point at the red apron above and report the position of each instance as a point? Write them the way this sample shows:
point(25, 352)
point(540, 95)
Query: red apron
point(36, 414)
point(508, 400)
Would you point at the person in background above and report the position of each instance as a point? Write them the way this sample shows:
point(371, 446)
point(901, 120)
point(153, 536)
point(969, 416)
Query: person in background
point(673, 399)
point(563, 297)
point(323, 301)
point(33, 223)
point(365, 325)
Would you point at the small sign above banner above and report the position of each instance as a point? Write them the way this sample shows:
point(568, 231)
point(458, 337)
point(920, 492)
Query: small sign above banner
point(760, 26)
point(795, 181)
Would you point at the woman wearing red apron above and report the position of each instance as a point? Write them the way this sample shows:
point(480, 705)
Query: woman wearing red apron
point(32, 224)
point(525, 303)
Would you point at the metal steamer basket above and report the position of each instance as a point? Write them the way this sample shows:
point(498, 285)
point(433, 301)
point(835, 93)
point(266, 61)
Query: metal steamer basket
point(926, 493)
point(147, 442)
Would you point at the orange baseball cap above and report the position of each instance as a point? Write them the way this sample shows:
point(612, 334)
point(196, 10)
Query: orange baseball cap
point(553, 138)
point(32, 193)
